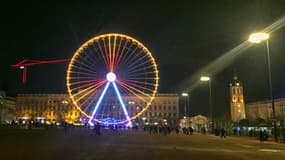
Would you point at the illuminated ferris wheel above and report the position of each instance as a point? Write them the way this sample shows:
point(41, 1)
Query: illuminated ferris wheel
point(106, 70)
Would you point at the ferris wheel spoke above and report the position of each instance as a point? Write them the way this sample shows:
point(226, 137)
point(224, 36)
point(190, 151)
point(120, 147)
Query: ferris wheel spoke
point(90, 90)
point(106, 53)
point(82, 86)
point(78, 96)
point(83, 91)
point(92, 60)
point(90, 102)
point(82, 69)
point(136, 55)
point(99, 54)
point(144, 78)
point(138, 87)
point(82, 73)
point(130, 55)
point(103, 54)
point(85, 58)
point(78, 75)
point(87, 85)
point(114, 51)
point(140, 82)
point(82, 66)
point(137, 69)
point(134, 89)
point(103, 51)
point(125, 54)
point(143, 73)
point(143, 60)
point(128, 90)
point(140, 65)
point(110, 53)
point(138, 61)
point(92, 95)
point(77, 78)
point(124, 90)
point(118, 51)
point(85, 81)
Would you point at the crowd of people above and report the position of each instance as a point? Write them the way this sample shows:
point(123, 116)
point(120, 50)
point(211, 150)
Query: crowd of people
point(97, 128)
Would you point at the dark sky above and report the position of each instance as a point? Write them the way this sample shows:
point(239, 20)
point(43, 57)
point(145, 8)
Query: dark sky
point(183, 36)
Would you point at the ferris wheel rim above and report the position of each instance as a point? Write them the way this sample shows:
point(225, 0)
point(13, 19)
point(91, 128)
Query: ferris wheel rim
point(94, 39)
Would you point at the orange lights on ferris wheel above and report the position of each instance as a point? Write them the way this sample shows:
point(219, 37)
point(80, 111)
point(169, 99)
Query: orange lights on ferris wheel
point(129, 67)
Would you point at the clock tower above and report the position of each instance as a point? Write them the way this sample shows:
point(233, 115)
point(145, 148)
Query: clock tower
point(237, 100)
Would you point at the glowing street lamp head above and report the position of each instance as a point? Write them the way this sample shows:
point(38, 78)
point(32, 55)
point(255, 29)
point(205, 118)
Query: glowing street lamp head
point(258, 37)
point(204, 78)
point(111, 77)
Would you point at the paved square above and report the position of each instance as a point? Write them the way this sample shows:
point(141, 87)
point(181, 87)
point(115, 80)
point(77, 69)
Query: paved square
point(80, 144)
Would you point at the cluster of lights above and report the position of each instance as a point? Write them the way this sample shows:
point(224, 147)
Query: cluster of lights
point(113, 56)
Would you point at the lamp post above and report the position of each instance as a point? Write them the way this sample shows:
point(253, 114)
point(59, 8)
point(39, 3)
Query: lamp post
point(208, 79)
point(186, 95)
point(258, 38)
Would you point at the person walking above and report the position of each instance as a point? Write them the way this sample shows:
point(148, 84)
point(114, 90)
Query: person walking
point(261, 135)
point(223, 133)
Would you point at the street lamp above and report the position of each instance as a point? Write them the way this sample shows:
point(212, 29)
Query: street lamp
point(258, 38)
point(208, 79)
point(186, 95)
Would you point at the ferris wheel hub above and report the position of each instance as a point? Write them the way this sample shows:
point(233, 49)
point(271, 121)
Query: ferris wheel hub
point(111, 77)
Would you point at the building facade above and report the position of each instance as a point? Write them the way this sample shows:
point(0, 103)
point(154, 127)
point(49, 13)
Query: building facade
point(263, 109)
point(164, 108)
point(198, 122)
point(58, 107)
point(49, 107)
point(237, 104)
point(7, 108)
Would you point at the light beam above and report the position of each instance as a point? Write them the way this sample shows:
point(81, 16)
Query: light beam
point(98, 103)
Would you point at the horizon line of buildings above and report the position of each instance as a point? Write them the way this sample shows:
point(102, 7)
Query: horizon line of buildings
point(165, 107)
point(58, 107)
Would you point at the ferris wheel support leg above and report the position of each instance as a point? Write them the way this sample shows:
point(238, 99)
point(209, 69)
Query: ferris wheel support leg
point(98, 103)
point(123, 105)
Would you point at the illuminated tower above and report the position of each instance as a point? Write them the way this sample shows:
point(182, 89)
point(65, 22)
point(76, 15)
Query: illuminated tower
point(237, 101)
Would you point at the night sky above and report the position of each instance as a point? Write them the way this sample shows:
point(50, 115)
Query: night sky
point(183, 37)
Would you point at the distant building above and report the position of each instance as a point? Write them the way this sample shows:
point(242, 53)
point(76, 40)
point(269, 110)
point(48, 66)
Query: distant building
point(49, 107)
point(263, 109)
point(198, 122)
point(164, 108)
point(58, 107)
point(7, 108)
point(237, 100)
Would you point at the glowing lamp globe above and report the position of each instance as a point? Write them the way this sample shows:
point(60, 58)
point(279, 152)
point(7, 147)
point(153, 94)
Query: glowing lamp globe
point(111, 77)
